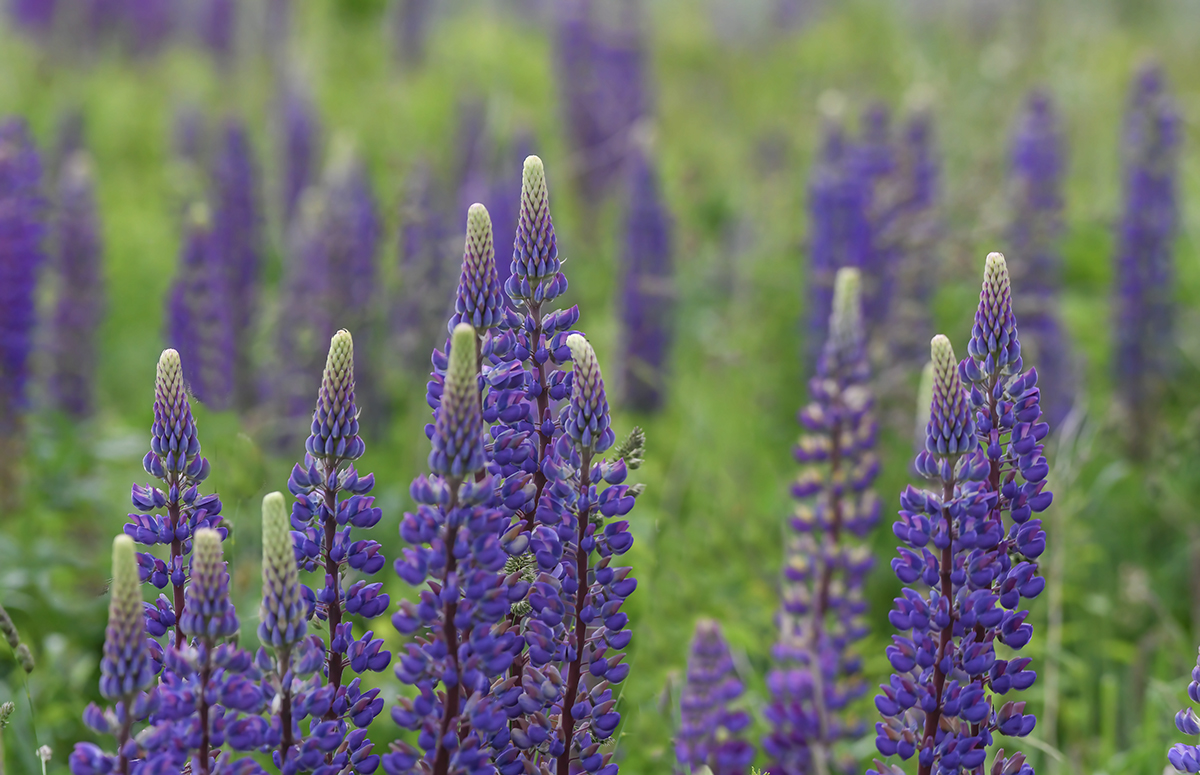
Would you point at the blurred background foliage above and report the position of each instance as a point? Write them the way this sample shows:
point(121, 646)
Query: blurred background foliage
point(735, 95)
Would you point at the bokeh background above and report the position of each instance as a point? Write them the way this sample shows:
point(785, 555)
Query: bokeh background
point(728, 100)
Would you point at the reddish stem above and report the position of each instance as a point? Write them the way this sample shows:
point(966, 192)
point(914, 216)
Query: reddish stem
point(286, 740)
point(174, 514)
point(933, 719)
point(441, 761)
point(202, 710)
point(581, 593)
point(332, 570)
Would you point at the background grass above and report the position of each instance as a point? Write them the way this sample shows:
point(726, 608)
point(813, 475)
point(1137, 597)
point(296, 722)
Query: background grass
point(737, 126)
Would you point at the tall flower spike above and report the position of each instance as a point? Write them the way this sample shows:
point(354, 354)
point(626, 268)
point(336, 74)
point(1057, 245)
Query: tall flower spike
point(335, 420)
point(480, 301)
point(587, 413)
point(208, 614)
point(994, 336)
point(951, 428)
point(173, 437)
point(710, 731)
point(80, 303)
point(1185, 757)
point(458, 431)
point(126, 668)
point(535, 253)
point(282, 616)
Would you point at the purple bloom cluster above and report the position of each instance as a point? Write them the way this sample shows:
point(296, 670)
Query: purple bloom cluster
point(79, 304)
point(531, 598)
point(299, 130)
point(22, 231)
point(1186, 757)
point(816, 675)
point(331, 500)
point(1145, 242)
point(1036, 178)
point(984, 447)
point(602, 83)
point(171, 515)
point(426, 271)
point(200, 313)
point(709, 732)
point(237, 233)
point(647, 293)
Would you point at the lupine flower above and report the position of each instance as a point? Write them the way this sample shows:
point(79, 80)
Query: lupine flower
point(237, 232)
point(601, 80)
point(79, 305)
point(151, 23)
point(325, 520)
point(22, 230)
point(647, 289)
point(33, 16)
point(504, 207)
point(873, 168)
point(1145, 242)
point(200, 316)
point(709, 732)
point(984, 448)
point(218, 28)
point(410, 29)
point(174, 459)
point(816, 675)
point(126, 670)
point(912, 236)
point(839, 233)
point(418, 315)
point(1037, 166)
point(453, 543)
point(479, 301)
point(208, 685)
point(300, 130)
point(1185, 757)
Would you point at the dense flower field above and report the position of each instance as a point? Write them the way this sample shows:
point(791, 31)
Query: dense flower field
point(705, 386)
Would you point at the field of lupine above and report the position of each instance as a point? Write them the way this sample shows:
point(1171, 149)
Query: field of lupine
point(574, 386)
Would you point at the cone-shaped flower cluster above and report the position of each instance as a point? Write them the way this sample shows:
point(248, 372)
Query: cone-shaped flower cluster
point(237, 231)
point(23, 224)
point(816, 674)
point(282, 619)
point(480, 301)
point(647, 289)
point(542, 604)
point(1145, 267)
point(974, 545)
point(300, 130)
point(208, 614)
point(458, 429)
point(200, 316)
point(171, 514)
point(1038, 163)
point(1185, 757)
point(332, 499)
point(80, 298)
point(710, 730)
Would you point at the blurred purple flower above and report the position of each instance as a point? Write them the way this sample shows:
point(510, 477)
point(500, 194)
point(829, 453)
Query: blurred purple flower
point(300, 140)
point(647, 297)
point(79, 306)
point(710, 731)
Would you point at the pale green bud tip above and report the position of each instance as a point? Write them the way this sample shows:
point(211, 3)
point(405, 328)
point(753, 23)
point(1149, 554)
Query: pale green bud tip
point(479, 222)
point(995, 273)
point(198, 216)
point(207, 546)
point(480, 251)
point(461, 371)
point(942, 354)
point(275, 524)
point(170, 368)
point(341, 350)
point(533, 176)
point(581, 351)
point(846, 322)
point(125, 583)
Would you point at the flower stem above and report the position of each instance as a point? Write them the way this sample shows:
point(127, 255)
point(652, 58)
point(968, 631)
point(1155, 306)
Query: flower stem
point(581, 593)
point(441, 761)
point(933, 719)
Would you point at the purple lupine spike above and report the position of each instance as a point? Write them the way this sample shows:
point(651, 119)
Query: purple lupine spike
point(208, 614)
point(1185, 757)
point(34, 16)
point(479, 300)
point(1037, 168)
point(912, 236)
point(410, 30)
point(816, 675)
point(150, 22)
point(188, 138)
point(1145, 244)
point(126, 670)
point(463, 645)
point(839, 233)
point(200, 320)
point(873, 168)
point(947, 698)
point(601, 80)
point(79, 305)
point(586, 415)
point(535, 253)
point(174, 459)
point(473, 159)
point(647, 289)
point(23, 227)
point(504, 202)
point(419, 314)
point(710, 731)
point(218, 28)
point(332, 499)
point(300, 130)
point(237, 231)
